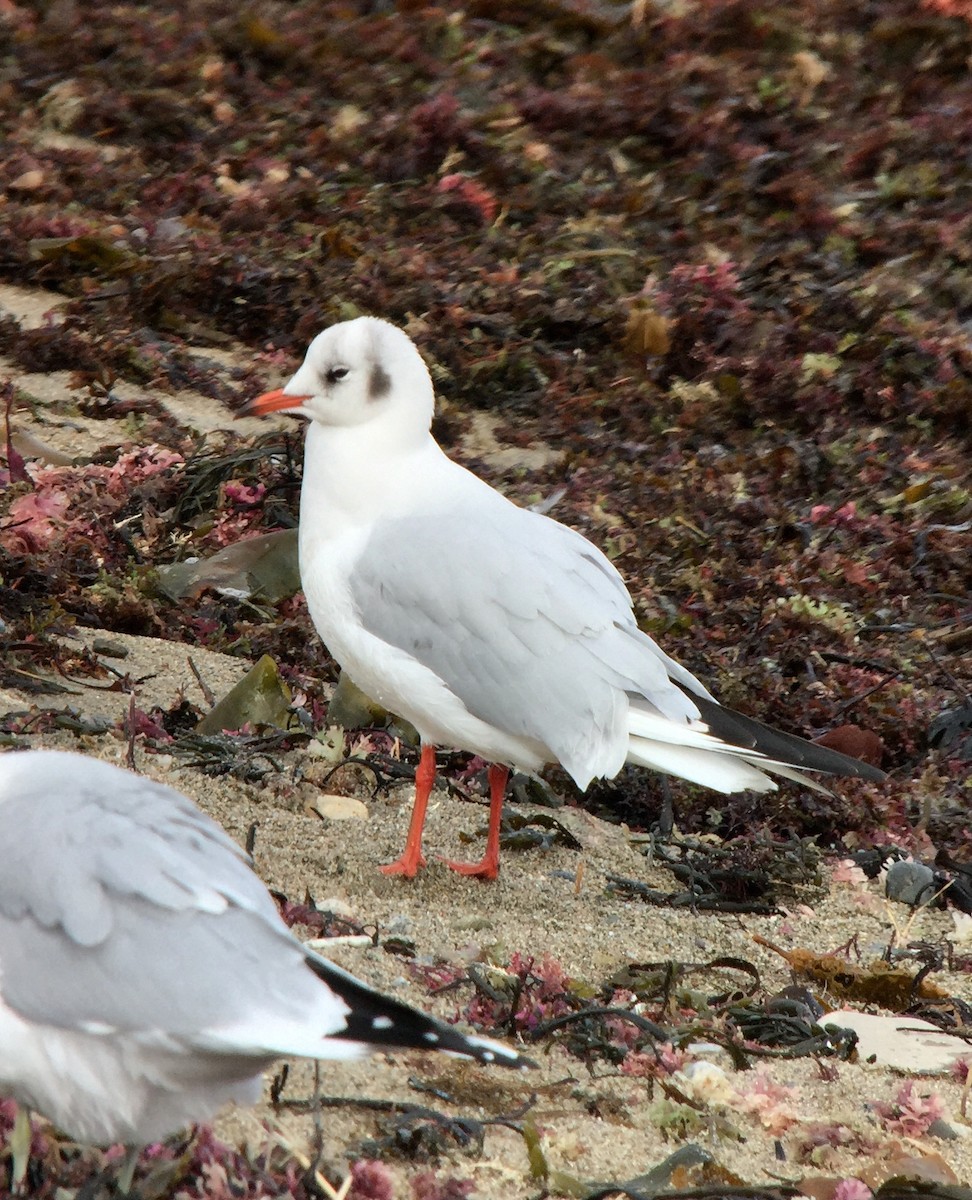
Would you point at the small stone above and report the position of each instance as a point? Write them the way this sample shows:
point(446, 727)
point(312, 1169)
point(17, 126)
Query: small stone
point(910, 883)
point(706, 1082)
point(341, 808)
point(109, 649)
point(905, 1044)
point(335, 905)
point(940, 1128)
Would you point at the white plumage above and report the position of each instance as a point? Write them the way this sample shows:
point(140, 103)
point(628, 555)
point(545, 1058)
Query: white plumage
point(491, 628)
point(146, 977)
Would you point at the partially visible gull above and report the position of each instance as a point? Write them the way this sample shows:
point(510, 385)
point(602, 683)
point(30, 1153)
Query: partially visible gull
point(146, 977)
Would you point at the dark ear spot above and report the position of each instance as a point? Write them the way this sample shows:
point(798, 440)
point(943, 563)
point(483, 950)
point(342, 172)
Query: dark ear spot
point(379, 383)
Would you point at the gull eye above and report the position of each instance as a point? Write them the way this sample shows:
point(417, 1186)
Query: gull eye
point(336, 374)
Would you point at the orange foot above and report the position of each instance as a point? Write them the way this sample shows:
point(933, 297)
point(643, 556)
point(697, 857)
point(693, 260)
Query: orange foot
point(408, 865)
point(488, 868)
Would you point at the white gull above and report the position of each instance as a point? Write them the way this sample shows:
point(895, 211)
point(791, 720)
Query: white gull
point(491, 628)
point(146, 977)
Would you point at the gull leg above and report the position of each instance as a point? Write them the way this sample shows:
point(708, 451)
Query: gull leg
point(411, 858)
point(488, 867)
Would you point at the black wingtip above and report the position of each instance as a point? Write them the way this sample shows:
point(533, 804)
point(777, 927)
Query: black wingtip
point(750, 734)
point(379, 1020)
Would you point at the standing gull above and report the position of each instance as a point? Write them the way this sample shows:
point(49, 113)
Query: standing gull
point(146, 977)
point(491, 628)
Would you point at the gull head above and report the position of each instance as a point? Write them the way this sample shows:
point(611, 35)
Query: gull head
point(356, 373)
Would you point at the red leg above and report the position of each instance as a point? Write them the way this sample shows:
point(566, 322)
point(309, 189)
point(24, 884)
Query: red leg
point(412, 858)
point(488, 867)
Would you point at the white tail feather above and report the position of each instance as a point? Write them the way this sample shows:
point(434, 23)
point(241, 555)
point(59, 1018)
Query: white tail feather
point(695, 734)
point(693, 753)
point(710, 768)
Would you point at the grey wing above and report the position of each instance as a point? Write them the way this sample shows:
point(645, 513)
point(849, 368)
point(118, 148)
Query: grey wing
point(124, 907)
point(524, 620)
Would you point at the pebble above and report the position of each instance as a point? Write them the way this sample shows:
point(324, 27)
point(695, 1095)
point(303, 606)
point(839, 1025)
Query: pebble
point(341, 808)
point(910, 883)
